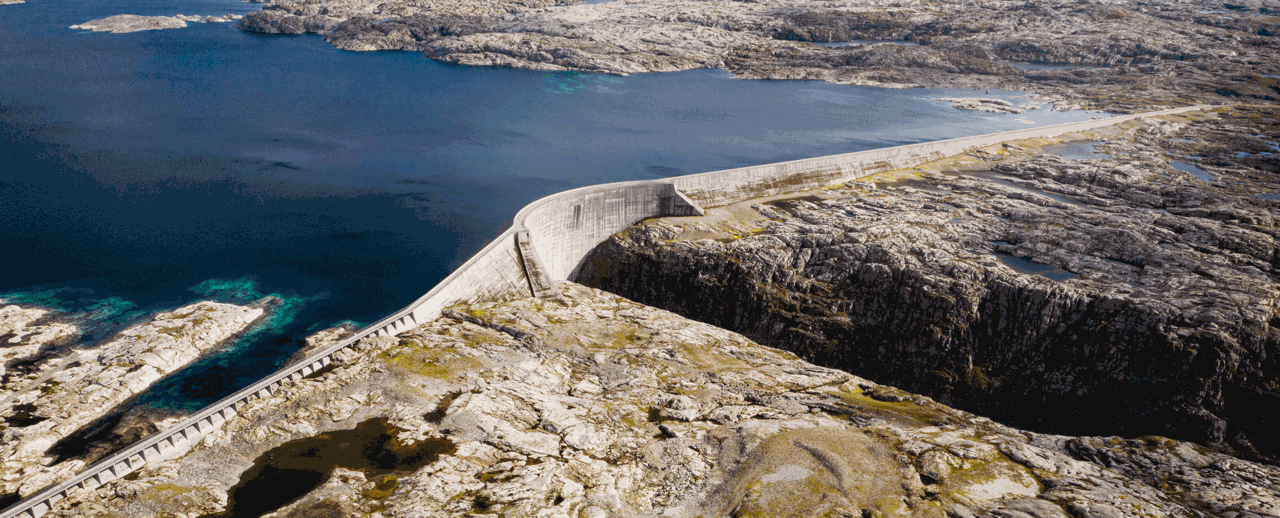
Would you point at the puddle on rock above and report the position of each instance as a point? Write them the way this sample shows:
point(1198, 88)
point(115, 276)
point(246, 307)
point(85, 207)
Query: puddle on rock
point(913, 183)
point(1077, 150)
point(1007, 181)
point(1189, 168)
point(864, 42)
point(1047, 66)
point(1021, 265)
point(289, 471)
point(1275, 196)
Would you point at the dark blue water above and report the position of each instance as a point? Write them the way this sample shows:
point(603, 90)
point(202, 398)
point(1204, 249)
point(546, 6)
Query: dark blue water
point(144, 171)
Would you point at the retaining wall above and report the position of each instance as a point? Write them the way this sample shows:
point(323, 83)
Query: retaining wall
point(547, 242)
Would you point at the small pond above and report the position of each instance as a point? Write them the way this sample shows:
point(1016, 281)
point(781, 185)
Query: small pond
point(864, 42)
point(1189, 168)
point(1077, 150)
point(290, 471)
point(1021, 265)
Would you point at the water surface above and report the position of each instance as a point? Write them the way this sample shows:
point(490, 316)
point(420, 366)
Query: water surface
point(1077, 150)
point(1021, 265)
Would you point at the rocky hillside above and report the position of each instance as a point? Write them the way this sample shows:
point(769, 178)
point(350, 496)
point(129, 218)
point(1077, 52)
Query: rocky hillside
point(597, 406)
point(1122, 56)
point(1129, 292)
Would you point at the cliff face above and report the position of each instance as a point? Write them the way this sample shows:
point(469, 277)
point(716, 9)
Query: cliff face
point(1163, 318)
point(595, 406)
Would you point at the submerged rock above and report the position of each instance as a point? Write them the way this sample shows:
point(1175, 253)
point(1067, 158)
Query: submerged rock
point(64, 393)
point(598, 406)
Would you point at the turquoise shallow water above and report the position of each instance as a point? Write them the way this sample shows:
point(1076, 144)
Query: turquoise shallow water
point(140, 172)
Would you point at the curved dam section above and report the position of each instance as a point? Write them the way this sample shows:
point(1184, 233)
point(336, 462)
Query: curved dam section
point(547, 242)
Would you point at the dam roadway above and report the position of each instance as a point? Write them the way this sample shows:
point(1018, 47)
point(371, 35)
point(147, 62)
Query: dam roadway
point(546, 243)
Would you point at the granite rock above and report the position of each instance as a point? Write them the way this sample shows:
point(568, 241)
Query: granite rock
point(566, 409)
point(1105, 295)
point(65, 392)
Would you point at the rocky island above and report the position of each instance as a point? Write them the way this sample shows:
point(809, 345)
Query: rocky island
point(125, 23)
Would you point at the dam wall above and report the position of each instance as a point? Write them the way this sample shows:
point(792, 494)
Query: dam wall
point(547, 242)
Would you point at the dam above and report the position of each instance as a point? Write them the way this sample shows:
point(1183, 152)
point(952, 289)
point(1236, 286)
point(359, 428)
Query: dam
point(546, 243)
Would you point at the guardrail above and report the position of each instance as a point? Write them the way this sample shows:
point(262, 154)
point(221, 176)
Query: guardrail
point(560, 229)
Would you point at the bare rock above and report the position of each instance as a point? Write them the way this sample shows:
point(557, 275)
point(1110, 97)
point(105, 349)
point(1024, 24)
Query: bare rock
point(71, 391)
point(123, 23)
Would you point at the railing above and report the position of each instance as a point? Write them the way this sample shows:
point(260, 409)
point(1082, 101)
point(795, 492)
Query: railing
point(562, 228)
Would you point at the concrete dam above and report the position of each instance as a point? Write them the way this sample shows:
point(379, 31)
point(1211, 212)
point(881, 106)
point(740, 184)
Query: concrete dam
point(546, 243)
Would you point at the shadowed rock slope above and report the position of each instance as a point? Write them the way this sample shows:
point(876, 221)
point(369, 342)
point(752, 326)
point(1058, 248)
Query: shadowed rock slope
point(1161, 316)
point(597, 406)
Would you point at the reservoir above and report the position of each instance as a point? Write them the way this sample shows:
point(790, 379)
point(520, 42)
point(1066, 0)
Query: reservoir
point(144, 171)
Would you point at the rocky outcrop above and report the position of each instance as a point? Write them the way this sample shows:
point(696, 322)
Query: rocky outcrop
point(1163, 316)
point(25, 332)
point(597, 406)
point(125, 23)
point(987, 105)
point(64, 393)
point(1123, 56)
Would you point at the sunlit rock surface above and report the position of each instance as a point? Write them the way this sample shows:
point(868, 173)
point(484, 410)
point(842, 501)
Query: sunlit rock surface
point(1121, 56)
point(125, 23)
point(1111, 293)
point(49, 400)
point(603, 407)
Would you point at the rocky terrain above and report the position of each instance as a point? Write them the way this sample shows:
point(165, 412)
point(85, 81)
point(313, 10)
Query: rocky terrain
point(49, 392)
point(1113, 55)
point(1158, 311)
point(597, 406)
point(26, 331)
point(123, 23)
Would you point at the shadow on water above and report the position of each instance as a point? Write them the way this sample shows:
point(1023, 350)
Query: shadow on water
point(291, 470)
